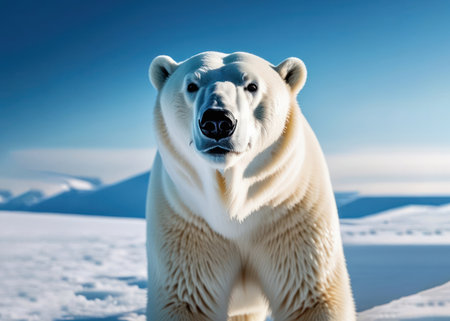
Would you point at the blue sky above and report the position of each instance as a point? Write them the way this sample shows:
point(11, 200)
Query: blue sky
point(74, 73)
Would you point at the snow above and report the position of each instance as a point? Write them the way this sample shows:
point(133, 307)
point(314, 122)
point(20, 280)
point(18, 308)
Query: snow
point(5, 196)
point(70, 267)
point(432, 304)
point(397, 253)
point(55, 267)
point(18, 185)
point(420, 225)
point(26, 199)
point(48, 184)
point(80, 184)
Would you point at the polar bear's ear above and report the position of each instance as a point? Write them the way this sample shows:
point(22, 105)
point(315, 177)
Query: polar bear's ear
point(160, 69)
point(293, 72)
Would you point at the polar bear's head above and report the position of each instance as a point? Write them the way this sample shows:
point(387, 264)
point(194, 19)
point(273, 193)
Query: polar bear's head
point(225, 106)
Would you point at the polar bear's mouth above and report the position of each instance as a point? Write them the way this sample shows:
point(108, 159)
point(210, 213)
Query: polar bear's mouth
point(218, 151)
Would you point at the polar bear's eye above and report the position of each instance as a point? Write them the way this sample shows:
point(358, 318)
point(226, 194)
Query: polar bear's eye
point(252, 87)
point(192, 87)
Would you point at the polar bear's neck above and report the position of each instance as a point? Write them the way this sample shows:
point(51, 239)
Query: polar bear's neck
point(270, 177)
point(232, 200)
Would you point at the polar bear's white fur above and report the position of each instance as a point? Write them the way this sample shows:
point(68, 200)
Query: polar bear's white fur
point(240, 234)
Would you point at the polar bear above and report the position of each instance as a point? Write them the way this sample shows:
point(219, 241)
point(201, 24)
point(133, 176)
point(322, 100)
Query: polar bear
point(241, 217)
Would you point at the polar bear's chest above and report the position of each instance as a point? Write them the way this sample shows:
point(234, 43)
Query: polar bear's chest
point(221, 219)
point(230, 227)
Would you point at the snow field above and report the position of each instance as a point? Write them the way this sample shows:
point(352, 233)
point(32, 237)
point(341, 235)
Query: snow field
point(57, 267)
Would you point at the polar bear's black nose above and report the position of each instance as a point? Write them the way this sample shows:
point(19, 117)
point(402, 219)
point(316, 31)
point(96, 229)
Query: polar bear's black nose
point(217, 123)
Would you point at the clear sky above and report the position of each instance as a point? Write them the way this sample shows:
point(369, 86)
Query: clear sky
point(74, 73)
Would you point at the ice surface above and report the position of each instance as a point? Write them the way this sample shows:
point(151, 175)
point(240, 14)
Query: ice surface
point(432, 304)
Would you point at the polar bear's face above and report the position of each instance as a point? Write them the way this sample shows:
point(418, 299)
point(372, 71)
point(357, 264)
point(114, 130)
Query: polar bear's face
point(225, 106)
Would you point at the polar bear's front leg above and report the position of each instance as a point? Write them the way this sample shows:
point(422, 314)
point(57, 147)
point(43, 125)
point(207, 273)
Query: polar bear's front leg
point(301, 266)
point(305, 299)
point(191, 272)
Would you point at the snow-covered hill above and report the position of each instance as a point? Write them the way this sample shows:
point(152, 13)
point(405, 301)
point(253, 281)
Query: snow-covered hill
point(24, 200)
point(5, 196)
point(367, 205)
point(343, 198)
point(49, 185)
point(125, 199)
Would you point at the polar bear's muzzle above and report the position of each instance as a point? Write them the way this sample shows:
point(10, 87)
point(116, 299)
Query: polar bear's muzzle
point(217, 123)
point(214, 134)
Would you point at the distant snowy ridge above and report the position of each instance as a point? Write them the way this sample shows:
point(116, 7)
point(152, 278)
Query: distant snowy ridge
point(432, 304)
point(81, 183)
point(406, 225)
point(60, 183)
point(5, 196)
point(364, 205)
point(125, 199)
point(24, 200)
point(343, 198)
